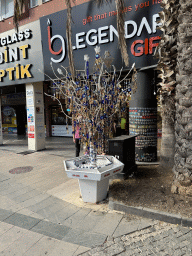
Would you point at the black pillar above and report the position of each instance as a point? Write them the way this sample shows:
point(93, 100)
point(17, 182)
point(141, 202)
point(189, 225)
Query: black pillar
point(143, 117)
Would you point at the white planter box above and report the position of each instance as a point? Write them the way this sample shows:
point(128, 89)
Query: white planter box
point(93, 181)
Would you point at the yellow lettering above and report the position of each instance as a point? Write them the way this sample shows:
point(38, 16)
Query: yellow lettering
point(25, 71)
point(2, 74)
point(24, 50)
point(5, 54)
point(17, 72)
point(10, 70)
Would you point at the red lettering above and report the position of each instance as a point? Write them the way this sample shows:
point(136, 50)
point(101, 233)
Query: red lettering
point(153, 45)
point(140, 48)
point(146, 46)
point(49, 42)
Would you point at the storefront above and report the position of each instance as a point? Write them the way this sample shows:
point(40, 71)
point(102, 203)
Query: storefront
point(34, 54)
point(14, 119)
point(93, 26)
point(21, 67)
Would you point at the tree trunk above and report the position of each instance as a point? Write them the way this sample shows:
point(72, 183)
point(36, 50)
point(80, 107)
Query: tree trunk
point(167, 72)
point(168, 138)
point(183, 126)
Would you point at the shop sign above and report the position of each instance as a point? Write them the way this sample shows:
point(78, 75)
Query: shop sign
point(14, 99)
point(96, 26)
point(21, 55)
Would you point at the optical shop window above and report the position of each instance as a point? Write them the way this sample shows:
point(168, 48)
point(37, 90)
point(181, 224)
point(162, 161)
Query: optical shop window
point(60, 124)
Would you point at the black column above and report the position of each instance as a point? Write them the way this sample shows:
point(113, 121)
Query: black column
point(143, 117)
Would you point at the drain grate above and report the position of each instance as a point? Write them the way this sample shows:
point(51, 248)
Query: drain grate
point(19, 170)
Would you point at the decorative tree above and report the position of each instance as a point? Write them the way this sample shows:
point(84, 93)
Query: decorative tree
point(96, 97)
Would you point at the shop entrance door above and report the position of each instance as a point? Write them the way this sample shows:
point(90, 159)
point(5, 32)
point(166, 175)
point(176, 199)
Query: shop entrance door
point(21, 119)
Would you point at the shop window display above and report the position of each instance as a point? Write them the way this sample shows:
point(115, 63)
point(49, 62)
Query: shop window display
point(9, 124)
point(61, 126)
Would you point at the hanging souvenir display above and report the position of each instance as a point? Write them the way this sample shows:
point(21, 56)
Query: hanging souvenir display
point(94, 99)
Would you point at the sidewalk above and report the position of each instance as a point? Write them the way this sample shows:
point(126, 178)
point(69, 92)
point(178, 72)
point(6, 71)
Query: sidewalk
point(41, 212)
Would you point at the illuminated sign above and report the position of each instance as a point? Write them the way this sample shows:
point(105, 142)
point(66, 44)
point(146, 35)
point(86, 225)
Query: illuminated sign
point(93, 26)
point(21, 55)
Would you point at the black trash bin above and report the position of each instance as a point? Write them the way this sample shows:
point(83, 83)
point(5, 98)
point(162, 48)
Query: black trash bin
point(124, 147)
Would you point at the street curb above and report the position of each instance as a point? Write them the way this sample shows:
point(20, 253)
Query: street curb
point(150, 213)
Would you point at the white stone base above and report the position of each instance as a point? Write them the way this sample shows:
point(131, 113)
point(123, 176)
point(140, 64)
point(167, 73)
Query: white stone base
point(93, 191)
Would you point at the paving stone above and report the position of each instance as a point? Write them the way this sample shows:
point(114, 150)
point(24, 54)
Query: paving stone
point(9, 204)
point(149, 240)
point(3, 177)
point(77, 217)
point(87, 239)
point(51, 229)
point(185, 230)
point(138, 244)
point(128, 253)
point(63, 214)
point(80, 250)
point(5, 186)
point(34, 200)
point(90, 221)
point(14, 192)
point(4, 214)
point(49, 200)
point(7, 238)
point(26, 196)
point(64, 248)
point(43, 247)
point(98, 249)
point(108, 224)
point(22, 221)
point(114, 249)
point(4, 227)
point(86, 254)
point(50, 210)
point(178, 253)
point(27, 212)
point(126, 227)
point(97, 254)
point(22, 244)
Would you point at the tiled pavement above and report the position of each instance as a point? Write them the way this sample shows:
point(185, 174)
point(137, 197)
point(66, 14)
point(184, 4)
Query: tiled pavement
point(41, 212)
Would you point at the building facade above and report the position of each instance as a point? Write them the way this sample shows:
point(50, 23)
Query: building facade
point(30, 57)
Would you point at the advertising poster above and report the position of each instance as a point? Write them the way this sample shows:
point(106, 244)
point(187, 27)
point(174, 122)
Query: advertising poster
point(30, 122)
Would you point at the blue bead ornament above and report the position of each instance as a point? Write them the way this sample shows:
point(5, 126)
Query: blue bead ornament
point(87, 65)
